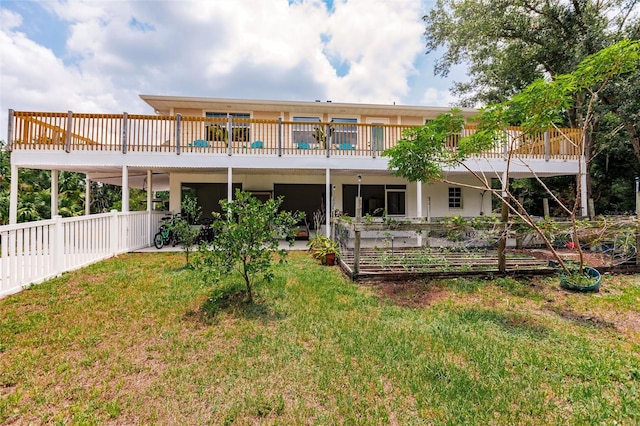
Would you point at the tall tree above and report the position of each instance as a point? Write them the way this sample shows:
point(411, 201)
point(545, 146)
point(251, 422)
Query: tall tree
point(507, 44)
point(424, 153)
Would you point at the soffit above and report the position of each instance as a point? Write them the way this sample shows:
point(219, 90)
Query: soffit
point(163, 105)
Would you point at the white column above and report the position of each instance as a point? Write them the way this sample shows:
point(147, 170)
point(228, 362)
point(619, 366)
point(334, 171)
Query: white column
point(13, 196)
point(54, 193)
point(150, 207)
point(229, 184)
point(149, 190)
point(583, 189)
point(419, 207)
point(125, 189)
point(87, 196)
point(419, 198)
point(327, 202)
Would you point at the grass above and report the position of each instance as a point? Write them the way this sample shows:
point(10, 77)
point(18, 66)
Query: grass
point(140, 340)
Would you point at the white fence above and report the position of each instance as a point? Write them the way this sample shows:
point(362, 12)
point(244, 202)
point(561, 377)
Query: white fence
point(36, 251)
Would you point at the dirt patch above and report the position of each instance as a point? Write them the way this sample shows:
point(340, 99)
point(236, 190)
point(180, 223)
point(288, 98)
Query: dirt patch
point(582, 318)
point(410, 294)
point(417, 294)
point(593, 259)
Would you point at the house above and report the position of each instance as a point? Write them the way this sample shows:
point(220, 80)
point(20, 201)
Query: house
point(316, 155)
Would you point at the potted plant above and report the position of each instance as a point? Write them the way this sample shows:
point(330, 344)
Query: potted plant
point(320, 137)
point(588, 280)
point(324, 248)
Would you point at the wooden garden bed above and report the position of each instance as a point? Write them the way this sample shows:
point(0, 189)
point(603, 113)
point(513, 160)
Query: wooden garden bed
point(408, 263)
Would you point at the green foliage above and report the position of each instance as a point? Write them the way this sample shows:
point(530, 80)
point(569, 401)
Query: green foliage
point(320, 246)
point(539, 106)
point(508, 45)
point(247, 237)
point(424, 151)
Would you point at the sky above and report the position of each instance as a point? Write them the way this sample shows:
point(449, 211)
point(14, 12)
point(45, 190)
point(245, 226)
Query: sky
point(100, 55)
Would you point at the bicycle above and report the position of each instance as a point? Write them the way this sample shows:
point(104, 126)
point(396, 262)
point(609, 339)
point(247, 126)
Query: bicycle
point(165, 235)
point(207, 233)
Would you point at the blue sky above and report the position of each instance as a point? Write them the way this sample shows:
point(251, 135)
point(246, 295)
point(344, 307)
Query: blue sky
point(99, 55)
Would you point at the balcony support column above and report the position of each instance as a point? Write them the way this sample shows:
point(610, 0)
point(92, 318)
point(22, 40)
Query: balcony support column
point(125, 189)
point(149, 190)
point(13, 197)
point(54, 193)
point(150, 207)
point(583, 188)
point(229, 184)
point(419, 207)
point(327, 203)
point(87, 196)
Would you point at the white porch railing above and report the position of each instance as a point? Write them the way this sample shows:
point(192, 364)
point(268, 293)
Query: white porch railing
point(36, 251)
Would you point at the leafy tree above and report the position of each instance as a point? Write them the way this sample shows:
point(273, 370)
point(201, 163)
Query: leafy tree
point(424, 153)
point(183, 227)
point(247, 237)
point(508, 44)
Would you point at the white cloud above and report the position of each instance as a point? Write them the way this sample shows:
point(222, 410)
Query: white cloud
point(10, 20)
point(436, 97)
point(245, 48)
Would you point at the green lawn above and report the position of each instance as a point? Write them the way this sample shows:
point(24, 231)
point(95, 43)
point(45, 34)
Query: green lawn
point(138, 340)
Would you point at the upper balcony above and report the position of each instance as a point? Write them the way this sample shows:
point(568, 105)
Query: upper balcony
point(73, 132)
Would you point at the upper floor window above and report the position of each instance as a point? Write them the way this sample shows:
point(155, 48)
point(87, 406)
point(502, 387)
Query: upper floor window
point(344, 131)
point(377, 134)
point(305, 132)
point(240, 126)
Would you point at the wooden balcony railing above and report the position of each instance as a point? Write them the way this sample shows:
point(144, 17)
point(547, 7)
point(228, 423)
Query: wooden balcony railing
point(177, 134)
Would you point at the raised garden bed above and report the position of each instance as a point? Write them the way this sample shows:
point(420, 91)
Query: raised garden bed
point(417, 262)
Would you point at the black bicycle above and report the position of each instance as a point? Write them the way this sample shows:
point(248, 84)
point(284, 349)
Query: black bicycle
point(207, 233)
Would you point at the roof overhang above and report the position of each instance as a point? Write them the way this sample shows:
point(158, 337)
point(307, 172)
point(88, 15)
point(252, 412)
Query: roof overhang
point(164, 105)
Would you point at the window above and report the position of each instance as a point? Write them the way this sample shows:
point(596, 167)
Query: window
point(376, 199)
point(455, 198)
point(240, 126)
point(305, 132)
point(377, 138)
point(395, 202)
point(377, 132)
point(344, 131)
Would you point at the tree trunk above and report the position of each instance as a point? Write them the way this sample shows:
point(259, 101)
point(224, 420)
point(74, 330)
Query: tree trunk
point(247, 281)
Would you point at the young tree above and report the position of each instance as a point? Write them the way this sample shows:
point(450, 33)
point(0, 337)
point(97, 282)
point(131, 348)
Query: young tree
point(183, 228)
point(247, 237)
point(424, 153)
